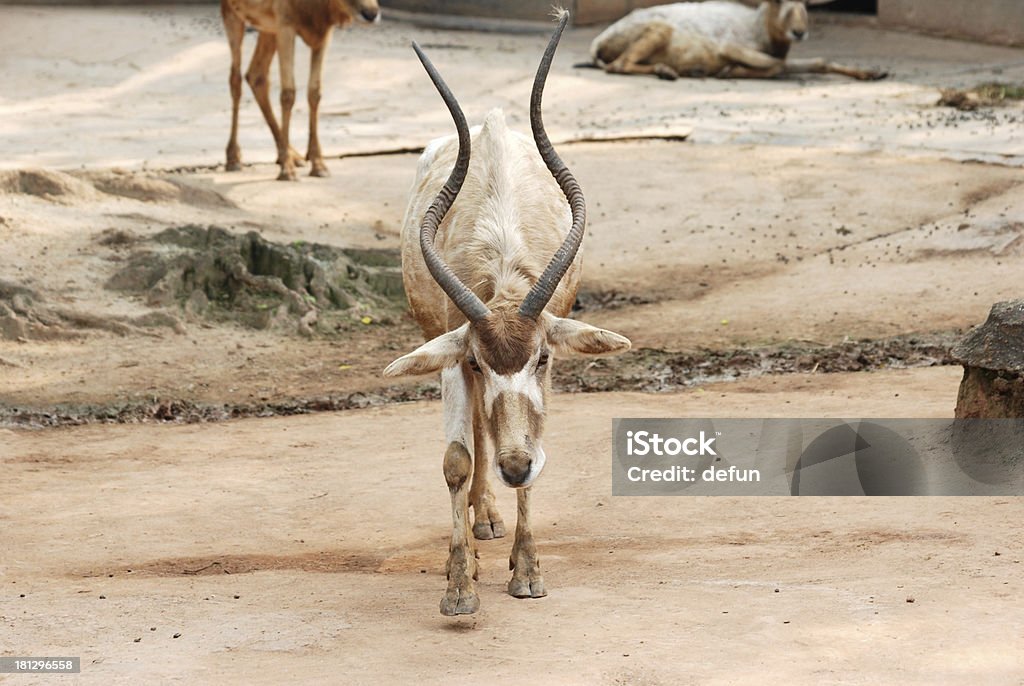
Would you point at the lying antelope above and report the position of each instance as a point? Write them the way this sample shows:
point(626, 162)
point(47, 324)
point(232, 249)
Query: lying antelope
point(278, 22)
point(715, 38)
point(475, 275)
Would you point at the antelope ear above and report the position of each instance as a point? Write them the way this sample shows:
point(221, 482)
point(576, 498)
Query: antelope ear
point(568, 337)
point(444, 351)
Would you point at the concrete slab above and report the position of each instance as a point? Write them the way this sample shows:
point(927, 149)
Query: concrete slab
point(992, 21)
point(147, 87)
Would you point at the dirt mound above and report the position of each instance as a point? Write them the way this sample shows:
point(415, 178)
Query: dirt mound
point(190, 412)
point(149, 188)
point(651, 371)
point(590, 301)
point(48, 184)
point(24, 316)
point(64, 188)
point(645, 370)
point(222, 276)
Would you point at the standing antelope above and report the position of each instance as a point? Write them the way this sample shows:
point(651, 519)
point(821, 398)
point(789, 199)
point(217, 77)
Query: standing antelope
point(278, 22)
point(475, 274)
point(714, 38)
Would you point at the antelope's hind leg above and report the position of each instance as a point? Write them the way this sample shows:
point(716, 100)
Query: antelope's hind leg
point(234, 27)
point(526, 581)
point(821, 66)
point(316, 69)
point(634, 59)
point(460, 598)
point(487, 523)
point(258, 77)
point(286, 156)
point(745, 63)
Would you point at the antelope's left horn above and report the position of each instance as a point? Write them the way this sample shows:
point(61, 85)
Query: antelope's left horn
point(465, 299)
point(537, 299)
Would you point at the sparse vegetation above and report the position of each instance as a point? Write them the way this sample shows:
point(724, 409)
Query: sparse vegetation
point(215, 274)
point(989, 94)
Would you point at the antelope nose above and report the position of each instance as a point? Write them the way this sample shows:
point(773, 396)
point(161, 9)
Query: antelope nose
point(515, 475)
point(515, 466)
point(799, 35)
point(369, 14)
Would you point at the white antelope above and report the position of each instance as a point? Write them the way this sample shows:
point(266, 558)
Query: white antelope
point(715, 38)
point(475, 275)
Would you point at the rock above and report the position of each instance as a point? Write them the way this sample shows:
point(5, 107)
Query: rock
point(993, 359)
point(24, 315)
point(11, 328)
point(213, 273)
point(197, 303)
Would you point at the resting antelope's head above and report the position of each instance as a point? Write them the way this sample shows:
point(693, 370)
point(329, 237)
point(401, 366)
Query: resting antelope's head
point(368, 10)
point(505, 351)
point(788, 20)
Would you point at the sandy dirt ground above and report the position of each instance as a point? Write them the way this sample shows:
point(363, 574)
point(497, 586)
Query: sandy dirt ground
point(798, 219)
point(294, 549)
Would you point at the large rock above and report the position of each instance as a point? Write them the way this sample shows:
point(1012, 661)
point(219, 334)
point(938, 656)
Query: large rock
point(993, 359)
point(216, 274)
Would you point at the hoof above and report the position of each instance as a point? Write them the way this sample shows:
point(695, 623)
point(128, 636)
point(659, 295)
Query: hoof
point(295, 158)
point(320, 170)
point(485, 531)
point(665, 72)
point(525, 588)
point(287, 175)
point(456, 602)
point(233, 166)
point(876, 75)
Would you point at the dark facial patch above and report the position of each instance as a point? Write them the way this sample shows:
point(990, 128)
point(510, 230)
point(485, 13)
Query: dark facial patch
point(779, 41)
point(507, 340)
point(517, 413)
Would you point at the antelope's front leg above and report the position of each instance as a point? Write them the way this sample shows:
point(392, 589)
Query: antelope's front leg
point(822, 66)
point(286, 61)
point(634, 59)
point(526, 579)
point(316, 69)
point(487, 523)
point(461, 597)
point(234, 27)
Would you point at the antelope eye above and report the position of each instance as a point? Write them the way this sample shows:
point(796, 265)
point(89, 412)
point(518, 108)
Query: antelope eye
point(543, 359)
point(473, 364)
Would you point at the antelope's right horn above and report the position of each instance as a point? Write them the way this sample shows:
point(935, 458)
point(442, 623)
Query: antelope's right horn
point(537, 299)
point(465, 299)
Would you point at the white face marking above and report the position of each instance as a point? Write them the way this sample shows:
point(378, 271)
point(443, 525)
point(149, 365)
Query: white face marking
point(523, 382)
point(458, 417)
